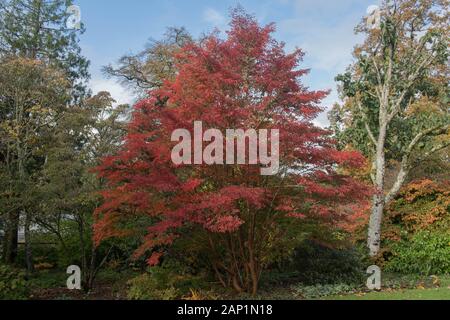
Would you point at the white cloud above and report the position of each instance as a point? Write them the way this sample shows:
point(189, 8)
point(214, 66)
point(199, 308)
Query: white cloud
point(214, 17)
point(328, 47)
point(324, 30)
point(118, 92)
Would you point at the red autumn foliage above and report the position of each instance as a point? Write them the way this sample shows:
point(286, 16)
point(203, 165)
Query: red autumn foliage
point(244, 81)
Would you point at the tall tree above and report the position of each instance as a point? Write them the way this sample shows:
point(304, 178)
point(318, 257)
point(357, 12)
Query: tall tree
point(396, 96)
point(32, 96)
point(88, 132)
point(246, 220)
point(34, 31)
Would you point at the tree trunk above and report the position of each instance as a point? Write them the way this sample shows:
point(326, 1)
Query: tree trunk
point(28, 249)
point(84, 258)
point(252, 260)
point(374, 238)
point(91, 271)
point(253, 272)
point(11, 238)
point(376, 217)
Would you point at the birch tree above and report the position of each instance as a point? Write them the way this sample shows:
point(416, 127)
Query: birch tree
point(396, 96)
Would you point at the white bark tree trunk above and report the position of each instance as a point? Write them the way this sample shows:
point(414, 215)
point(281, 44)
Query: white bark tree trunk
point(376, 218)
point(374, 237)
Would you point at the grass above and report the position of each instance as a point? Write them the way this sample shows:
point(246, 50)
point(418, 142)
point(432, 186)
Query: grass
point(441, 293)
point(411, 294)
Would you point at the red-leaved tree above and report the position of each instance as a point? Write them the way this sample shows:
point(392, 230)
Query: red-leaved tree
point(244, 81)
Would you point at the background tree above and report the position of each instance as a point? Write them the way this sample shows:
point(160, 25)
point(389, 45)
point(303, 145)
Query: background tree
point(32, 96)
point(246, 220)
point(151, 67)
point(66, 188)
point(396, 96)
point(35, 32)
point(36, 29)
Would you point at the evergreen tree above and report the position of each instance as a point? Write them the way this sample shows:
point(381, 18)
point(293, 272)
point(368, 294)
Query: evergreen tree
point(36, 29)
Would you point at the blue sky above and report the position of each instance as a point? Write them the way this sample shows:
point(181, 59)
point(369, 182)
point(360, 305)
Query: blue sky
point(322, 28)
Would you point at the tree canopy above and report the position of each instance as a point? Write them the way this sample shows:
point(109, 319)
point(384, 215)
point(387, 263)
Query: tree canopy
point(244, 81)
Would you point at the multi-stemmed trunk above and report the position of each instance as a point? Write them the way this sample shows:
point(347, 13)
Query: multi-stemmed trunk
point(242, 270)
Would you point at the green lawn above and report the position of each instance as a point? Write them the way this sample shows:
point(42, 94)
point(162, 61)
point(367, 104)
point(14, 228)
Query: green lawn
point(442, 293)
point(415, 294)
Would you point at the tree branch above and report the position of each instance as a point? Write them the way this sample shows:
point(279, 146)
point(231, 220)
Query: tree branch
point(405, 166)
point(366, 123)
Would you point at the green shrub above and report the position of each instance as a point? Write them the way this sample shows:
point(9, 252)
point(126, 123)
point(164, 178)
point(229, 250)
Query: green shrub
point(13, 285)
point(163, 283)
point(48, 279)
point(317, 264)
point(425, 253)
point(148, 287)
point(319, 291)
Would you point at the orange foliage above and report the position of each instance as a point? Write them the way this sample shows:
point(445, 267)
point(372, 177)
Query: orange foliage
point(422, 205)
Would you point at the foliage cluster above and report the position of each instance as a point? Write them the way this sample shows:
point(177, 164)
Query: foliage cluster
point(417, 229)
point(13, 285)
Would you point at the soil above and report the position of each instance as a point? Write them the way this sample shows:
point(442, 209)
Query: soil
point(101, 291)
